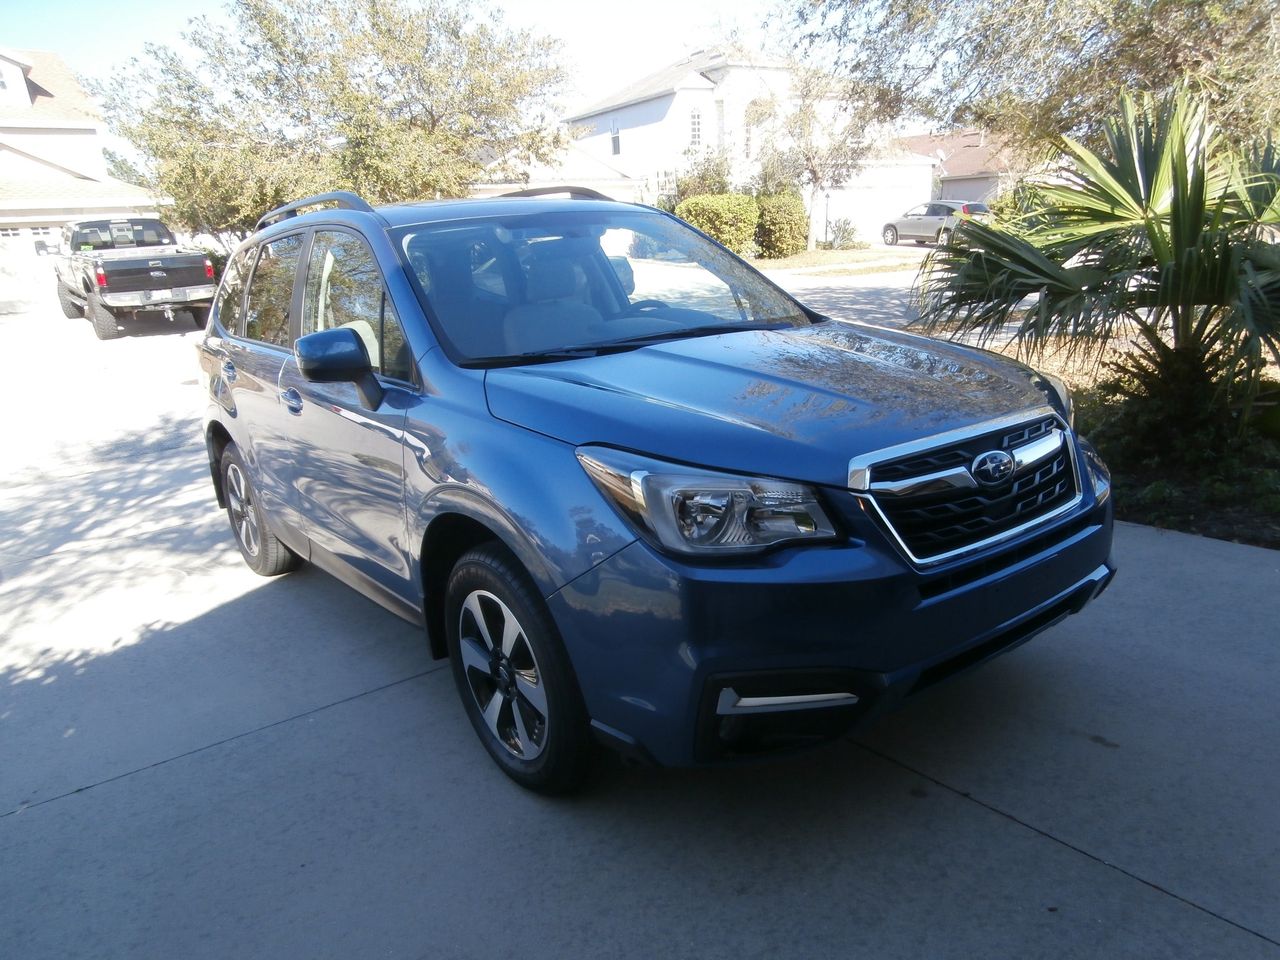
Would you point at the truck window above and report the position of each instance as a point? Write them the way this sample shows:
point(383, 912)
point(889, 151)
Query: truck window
point(117, 234)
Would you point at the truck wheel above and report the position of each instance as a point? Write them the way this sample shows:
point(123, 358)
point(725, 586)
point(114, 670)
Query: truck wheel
point(71, 308)
point(103, 320)
point(199, 316)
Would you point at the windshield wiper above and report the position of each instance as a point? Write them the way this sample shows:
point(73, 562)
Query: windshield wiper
point(578, 351)
point(645, 339)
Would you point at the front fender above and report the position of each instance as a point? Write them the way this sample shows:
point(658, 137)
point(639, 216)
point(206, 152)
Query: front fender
point(527, 489)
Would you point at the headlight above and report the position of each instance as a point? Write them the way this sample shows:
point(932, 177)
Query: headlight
point(1059, 386)
point(702, 513)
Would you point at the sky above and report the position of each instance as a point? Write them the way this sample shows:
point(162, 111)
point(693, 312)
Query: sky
point(607, 43)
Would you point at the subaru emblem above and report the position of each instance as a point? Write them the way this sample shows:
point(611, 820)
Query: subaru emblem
point(992, 467)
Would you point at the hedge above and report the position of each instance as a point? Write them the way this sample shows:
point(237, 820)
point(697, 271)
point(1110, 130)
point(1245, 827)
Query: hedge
point(783, 229)
point(728, 217)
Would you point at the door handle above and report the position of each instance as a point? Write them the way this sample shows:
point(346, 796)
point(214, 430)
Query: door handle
point(228, 370)
point(292, 400)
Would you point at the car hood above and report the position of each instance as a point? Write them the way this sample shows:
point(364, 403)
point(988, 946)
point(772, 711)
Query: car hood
point(795, 404)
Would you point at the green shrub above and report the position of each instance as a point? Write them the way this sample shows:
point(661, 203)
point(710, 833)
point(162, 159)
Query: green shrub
point(844, 236)
point(783, 227)
point(728, 217)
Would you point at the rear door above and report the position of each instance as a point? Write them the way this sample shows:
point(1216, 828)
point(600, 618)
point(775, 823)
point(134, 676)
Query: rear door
point(254, 358)
point(935, 219)
point(346, 474)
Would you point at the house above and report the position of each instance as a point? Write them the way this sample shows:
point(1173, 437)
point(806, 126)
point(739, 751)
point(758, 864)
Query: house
point(52, 170)
point(971, 164)
point(576, 167)
point(701, 104)
point(720, 101)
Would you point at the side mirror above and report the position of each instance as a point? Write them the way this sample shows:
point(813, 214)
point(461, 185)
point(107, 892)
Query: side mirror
point(338, 356)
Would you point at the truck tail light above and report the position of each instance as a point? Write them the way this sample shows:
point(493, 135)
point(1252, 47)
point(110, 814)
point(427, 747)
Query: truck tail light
point(208, 268)
point(100, 275)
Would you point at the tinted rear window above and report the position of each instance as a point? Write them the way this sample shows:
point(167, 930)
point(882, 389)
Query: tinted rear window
point(117, 234)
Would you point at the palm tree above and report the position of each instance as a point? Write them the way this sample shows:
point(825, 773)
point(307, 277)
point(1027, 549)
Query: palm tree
point(1164, 238)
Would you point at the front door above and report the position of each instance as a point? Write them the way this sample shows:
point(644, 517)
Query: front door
point(347, 474)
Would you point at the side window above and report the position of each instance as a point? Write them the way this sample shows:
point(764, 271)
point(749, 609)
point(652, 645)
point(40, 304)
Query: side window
point(917, 211)
point(939, 210)
point(271, 290)
point(229, 305)
point(345, 289)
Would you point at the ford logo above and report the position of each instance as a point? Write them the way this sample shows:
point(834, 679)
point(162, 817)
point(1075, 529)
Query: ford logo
point(992, 467)
point(158, 273)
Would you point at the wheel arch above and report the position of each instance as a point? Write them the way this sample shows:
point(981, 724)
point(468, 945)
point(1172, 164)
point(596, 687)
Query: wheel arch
point(216, 439)
point(448, 536)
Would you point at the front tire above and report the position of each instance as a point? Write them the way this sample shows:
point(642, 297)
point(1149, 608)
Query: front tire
point(105, 325)
point(264, 554)
point(890, 236)
point(71, 308)
point(513, 675)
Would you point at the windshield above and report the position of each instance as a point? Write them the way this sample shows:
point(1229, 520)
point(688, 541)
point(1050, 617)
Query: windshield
point(113, 234)
point(538, 285)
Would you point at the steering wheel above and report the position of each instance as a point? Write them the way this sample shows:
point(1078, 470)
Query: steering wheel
point(649, 305)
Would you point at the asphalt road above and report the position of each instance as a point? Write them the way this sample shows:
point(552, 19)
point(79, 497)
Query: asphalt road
point(196, 762)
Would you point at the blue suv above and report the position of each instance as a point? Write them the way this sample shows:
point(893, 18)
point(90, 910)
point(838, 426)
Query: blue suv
point(633, 490)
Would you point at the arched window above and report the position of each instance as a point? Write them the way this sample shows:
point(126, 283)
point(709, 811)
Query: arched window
point(695, 128)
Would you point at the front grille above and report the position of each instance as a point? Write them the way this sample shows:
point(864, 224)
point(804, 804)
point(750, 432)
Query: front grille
point(939, 523)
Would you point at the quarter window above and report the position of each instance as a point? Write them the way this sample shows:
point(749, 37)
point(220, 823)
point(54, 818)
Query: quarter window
point(345, 289)
point(229, 306)
point(271, 290)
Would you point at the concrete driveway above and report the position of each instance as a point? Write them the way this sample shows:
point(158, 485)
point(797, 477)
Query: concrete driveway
point(196, 762)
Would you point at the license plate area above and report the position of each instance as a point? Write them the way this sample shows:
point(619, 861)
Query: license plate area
point(154, 295)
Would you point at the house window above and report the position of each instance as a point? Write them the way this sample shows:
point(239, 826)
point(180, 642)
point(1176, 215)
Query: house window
point(746, 142)
point(695, 128)
point(615, 140)
point(10, 232)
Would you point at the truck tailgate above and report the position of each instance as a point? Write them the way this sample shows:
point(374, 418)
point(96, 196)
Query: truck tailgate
point(155, 273)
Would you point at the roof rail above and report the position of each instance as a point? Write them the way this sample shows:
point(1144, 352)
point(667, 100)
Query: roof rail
point(575, 193)
point(344, 199)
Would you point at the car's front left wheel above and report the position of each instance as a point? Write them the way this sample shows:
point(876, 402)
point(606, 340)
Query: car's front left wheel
point(513, 674)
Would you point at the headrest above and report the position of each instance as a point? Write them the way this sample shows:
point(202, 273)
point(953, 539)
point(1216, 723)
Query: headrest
point(550, 280)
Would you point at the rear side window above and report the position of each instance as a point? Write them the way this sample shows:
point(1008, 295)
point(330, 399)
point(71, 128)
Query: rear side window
point(345, 289)
point(229, 306)
point(271, 290)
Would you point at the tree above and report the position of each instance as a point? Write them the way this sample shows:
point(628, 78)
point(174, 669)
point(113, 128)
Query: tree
point(122, 169)
point(816, 141)
point(394, 99)
point(1164, 236)
point(1031, 70)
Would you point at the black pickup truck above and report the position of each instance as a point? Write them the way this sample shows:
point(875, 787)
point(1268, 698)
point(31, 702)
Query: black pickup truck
point(113, 269)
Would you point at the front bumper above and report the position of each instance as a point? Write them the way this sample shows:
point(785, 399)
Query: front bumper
point(158, 299)
point(656, 642)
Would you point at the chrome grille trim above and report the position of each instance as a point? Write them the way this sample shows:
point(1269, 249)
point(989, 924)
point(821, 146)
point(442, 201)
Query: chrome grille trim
point(860, 466)
point(1060, 439)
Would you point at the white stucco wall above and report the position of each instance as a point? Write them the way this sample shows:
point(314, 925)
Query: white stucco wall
point(878, 193)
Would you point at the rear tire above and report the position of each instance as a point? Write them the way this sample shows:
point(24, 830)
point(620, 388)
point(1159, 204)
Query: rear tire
point(104, 321)
point(890, 236)
point(199, 316)
point(513, 674)
point(944, 237)
point(71, 307)
point(264, 554)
